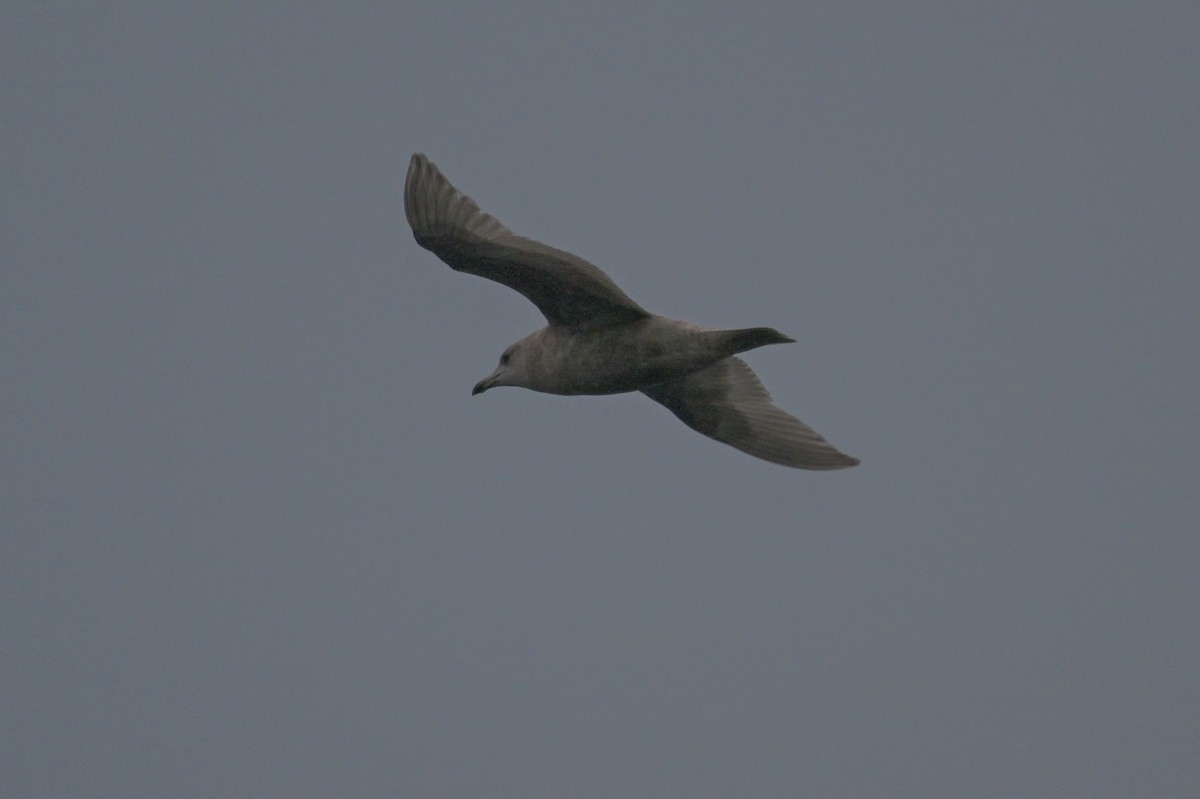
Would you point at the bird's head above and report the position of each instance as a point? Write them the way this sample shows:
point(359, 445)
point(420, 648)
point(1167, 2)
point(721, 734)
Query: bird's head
point(508, 373)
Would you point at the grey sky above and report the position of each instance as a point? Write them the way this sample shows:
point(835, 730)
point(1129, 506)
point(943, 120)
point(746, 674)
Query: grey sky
point(261, 541)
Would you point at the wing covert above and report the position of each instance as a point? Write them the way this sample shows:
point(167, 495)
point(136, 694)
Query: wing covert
point(566, 289)
point(728, 403)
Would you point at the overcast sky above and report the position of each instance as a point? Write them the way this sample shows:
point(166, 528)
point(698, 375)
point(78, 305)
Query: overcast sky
point(259, 539)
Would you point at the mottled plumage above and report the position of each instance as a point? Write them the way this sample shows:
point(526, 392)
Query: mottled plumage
point(599, 341)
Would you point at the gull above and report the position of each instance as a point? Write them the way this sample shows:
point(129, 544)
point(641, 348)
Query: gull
point(599, 341)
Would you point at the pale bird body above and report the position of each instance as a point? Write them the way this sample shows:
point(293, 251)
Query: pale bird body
point(599, 341)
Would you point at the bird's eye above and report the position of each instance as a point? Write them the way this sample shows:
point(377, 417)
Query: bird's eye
point(504, 359)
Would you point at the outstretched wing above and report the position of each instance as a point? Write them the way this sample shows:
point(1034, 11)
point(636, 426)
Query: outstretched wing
point(727, 402)
point(566, 289)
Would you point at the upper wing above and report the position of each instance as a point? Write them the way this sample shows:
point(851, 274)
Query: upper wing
point(727, 402)
point(565, 288)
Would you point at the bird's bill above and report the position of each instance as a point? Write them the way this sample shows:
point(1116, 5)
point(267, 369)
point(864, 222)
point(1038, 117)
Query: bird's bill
point(490, 381)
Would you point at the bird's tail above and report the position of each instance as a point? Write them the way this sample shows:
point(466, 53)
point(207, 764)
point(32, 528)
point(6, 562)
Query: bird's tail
point(750, 338)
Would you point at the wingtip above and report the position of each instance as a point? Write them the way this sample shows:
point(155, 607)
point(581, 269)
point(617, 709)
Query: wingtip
point(833, 459)
point(827, 462)
point(415, 165)
point(420, 193)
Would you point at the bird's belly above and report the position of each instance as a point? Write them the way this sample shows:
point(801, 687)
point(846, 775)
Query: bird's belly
point(619, 360)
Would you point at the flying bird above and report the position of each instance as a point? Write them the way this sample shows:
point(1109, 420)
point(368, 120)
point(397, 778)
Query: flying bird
point(599, 341)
